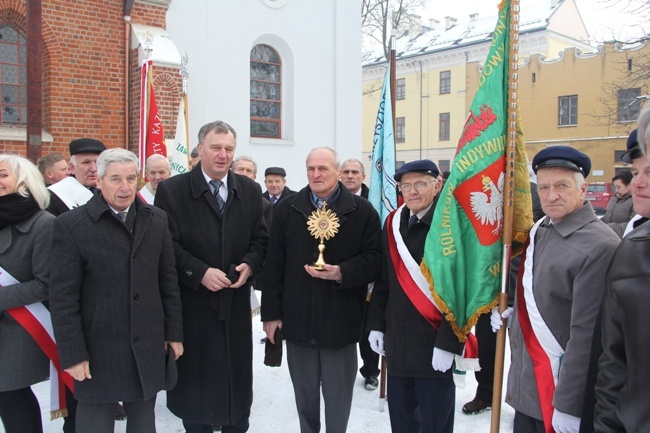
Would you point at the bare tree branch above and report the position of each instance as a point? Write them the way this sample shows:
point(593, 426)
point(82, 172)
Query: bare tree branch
point(379, 17)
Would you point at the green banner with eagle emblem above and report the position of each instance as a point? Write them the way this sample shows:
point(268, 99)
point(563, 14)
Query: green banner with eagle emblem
point(462, 256)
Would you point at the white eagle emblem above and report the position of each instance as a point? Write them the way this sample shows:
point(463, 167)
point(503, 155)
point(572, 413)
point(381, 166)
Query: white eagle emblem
point(489, 209)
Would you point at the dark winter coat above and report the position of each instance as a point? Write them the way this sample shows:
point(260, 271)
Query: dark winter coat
point(622, 391)
point(215, 373)
point(409, 338)
point(25, 254)
point(317, 313)
point(114, 299)
point(365, 191)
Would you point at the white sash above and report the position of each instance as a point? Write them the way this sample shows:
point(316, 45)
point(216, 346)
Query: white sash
point(630, 225)
point(71, 192)
point(409, 262)
point(544, 335)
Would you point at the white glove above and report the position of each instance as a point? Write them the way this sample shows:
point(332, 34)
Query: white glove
point(376, 340)
point(496, 319)
point(565, 423)
point(441, 360)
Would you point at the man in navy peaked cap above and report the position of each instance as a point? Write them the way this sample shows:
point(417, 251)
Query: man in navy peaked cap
point(419, 356)
point(557, 298)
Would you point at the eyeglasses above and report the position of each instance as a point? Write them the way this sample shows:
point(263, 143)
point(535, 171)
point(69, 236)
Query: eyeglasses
point(419, 186)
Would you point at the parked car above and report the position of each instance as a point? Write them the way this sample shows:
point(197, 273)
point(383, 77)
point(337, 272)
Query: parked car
point(599, 194)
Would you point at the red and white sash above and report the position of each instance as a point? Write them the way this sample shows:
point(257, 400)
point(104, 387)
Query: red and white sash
point(146, 195)
point(416, 287)
point(543, 348)
point(36, 320)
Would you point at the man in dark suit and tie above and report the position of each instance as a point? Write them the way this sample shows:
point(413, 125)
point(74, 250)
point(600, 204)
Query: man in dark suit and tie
point(275, 180)
point(219, 234)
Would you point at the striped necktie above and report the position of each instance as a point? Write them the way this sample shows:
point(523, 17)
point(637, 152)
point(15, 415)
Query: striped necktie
point(216, 184)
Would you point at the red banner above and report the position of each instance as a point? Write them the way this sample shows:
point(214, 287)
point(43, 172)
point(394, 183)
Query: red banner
point(152, 136)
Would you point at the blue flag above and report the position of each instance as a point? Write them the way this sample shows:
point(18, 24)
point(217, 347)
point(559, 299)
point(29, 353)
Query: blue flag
point(383, 191)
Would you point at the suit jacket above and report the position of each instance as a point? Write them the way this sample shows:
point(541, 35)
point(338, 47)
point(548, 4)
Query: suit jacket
point(215, 373)
point(25, 254)
point(114, 299)
point(569, 268)
point(286, 192)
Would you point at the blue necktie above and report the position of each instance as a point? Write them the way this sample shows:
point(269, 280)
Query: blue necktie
point(414, 219)
point(216, 184)
point(274, 200)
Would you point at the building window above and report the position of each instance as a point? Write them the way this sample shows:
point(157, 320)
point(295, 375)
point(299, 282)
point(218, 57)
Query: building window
point(266, 92)
point(445, 82)
point(628, 105)
point(443, 165)
point(401, 89)
point(400, 129)
point(568, 110)
point(443, 134)
point(618, 154)
point(13, 76)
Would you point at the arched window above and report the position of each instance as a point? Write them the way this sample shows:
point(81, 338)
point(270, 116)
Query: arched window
point(13, 76)
point(266, 92)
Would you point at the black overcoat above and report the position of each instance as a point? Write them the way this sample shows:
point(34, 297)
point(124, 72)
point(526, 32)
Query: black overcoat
point(317, 313)
point(114, 299)
point(215, 374)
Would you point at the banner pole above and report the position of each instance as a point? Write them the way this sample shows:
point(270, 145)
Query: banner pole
point(508, 194)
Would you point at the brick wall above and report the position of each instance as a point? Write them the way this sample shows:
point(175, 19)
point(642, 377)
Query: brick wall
point(84, 89)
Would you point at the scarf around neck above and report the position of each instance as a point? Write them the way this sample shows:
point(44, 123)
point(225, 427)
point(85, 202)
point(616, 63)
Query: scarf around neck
point(15, 208)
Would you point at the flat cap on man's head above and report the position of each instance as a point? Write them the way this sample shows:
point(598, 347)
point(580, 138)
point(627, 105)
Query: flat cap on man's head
point(86, 145)
point(424, 166)
point(562, 156)
point(633, 148)
point(275, 170)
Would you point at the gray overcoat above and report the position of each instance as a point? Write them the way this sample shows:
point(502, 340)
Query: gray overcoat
point(25, 254)
point(569, 268)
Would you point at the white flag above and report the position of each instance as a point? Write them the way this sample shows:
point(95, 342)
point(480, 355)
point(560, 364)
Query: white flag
point(179, 153)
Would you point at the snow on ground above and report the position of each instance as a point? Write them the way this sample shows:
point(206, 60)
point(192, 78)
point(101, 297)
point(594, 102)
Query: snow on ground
point(274, 407)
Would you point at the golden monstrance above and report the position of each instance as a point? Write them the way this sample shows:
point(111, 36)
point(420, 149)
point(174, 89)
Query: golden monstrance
point(323, 224)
